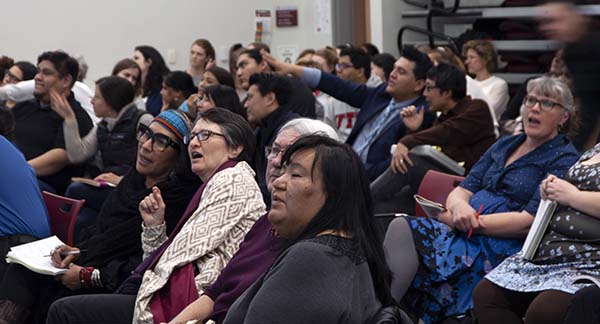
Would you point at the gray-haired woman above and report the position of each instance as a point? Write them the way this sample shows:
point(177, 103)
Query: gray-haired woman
point(439, 263)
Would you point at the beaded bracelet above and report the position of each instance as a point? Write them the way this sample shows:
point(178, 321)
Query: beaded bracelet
point(96, 278)
point(85, 276)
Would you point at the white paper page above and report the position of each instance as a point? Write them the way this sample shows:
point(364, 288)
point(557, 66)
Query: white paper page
point(32, 255)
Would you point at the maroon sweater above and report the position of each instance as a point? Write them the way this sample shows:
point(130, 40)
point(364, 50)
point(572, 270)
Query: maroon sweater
point(256, 254)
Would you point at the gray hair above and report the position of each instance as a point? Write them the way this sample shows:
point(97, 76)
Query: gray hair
point(307, 126)
point(554, 88)
point(83, 68)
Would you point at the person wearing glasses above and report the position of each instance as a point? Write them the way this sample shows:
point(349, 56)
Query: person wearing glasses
point(111, 248)
point(440, 263)
point(20, 71)
point(178, 267)
point(109, 148)
point(354, 66)
point(520, 288)
point(464, 131)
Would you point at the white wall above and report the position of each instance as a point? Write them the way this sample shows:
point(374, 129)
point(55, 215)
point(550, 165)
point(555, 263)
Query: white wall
point(108, 30)
point(386, 21)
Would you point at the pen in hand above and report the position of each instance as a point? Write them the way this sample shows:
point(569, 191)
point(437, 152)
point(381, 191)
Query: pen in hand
point(477, 218)
point(64, 254)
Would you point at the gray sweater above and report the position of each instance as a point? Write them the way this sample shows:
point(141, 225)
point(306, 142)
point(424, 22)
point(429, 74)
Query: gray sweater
point(321, 280)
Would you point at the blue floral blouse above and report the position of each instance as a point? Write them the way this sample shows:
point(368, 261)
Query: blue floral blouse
point(450, 264)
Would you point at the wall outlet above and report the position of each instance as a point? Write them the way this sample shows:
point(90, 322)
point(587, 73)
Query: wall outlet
point(171, 56)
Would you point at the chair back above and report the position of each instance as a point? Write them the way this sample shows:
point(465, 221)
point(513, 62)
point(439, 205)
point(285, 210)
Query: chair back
point(436, 186)
point(62, 214)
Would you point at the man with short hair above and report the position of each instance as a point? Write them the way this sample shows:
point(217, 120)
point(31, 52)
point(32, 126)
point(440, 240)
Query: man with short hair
point(301, 99)
point(354, 66)
point(378, 124)
point(39, 130)
point(268, 94)
point(464, 131)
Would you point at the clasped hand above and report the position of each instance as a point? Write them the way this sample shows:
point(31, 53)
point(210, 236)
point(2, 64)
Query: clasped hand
point(557, 189)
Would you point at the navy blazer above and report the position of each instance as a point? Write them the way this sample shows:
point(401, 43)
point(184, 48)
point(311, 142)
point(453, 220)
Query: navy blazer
point(371, 101)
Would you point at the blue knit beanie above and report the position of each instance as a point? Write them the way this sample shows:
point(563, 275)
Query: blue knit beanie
point(176, 122)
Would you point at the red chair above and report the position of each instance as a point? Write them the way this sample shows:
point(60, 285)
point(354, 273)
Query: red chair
point(62, 213)
point(436, 186)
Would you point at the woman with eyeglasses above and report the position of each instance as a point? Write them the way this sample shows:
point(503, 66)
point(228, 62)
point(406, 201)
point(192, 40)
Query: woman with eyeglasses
point(570, 247)
point(178, 267)
point(488, 215)
point(109, 149)
point(20, 71)
point(111, 248)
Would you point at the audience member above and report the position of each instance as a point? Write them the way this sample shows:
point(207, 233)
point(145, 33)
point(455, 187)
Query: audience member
point(370, 49)
point(481, 59)
point(39, 129)
point(215, 75)
point(260, 247)
point(382, 66)
point(130, 71)
point(305, 56)
point(512, 121)
point(5, 64)
point(446, 55)
point(177, 87)
point(520, 288)
point(154, 70)
point(563, 21)
point(379, 124)
point(218, 217)
point(464, 131)
point(24, 90)
point(259, 46)
point(20, 71)
point(83, 68)
point(354, 66)
point(212, 76)
point(266, 106)
point(301, 100)
point(202, 56)
point(328, 59)
point(234, 53)
point(110, 249)
point(112, 142)
point(223, 97)
point(439, 263)
point(321, 204)
point(23, 217)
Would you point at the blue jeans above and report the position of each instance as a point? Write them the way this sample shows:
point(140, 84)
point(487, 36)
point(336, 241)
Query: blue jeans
point(94, 198)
